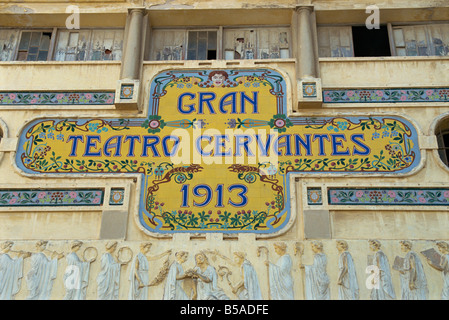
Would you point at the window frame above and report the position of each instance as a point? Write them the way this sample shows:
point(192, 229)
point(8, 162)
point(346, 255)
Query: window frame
point(442, 130)
point(390, 28)
point(425, 24)
point(50, 47)
point(89, 46)
point(151, 46)
point(55, 37)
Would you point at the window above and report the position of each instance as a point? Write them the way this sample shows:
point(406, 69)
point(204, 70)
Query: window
point(257, 43)
point(353, 41)
point(202, 45)
point(358, 41)
point(167, 45)
point(236, 43)
point(34, 46)
point(8, 43)
point(69, 45)
point(335, 42)
point(421, 40)
point(442, 133)
point(371, 42)
point(85, 45)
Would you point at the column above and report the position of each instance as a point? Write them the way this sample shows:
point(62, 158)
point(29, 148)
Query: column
point(128, 86)
point(309, 92)
point(305, 48)
point(133, 52)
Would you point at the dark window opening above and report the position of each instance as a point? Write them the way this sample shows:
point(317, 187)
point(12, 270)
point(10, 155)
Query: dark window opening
point(442, 133)
point(371, 42)
point(211, 54)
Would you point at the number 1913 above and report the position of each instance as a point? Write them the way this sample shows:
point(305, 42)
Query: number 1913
point(205, 191)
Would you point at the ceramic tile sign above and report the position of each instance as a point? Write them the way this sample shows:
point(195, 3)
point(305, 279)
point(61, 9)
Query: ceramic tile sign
point(217, 149)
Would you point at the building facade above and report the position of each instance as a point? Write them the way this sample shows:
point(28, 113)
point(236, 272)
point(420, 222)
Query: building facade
point(224, 150)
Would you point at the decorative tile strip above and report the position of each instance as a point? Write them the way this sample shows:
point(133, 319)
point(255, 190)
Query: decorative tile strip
point(389, 196)
point(314, 196)
point(56, 98)
point(117, 197)
point(51, 198)
point(386, 95)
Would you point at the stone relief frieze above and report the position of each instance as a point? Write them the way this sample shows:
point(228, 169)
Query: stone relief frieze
point(268, 271)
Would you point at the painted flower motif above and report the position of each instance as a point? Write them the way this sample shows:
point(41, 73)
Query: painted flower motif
point(154, 124)
point(379, 93)
point(72, 194)
point(92, 127)
point(280, 122)
point(41, 195)
point(60, 137)
point(391, 194)
point(272, 170)
point(376, 135)
point(158, 172)
point(343, 125)
point(232, 123)
point(385, 134)
point(446, 194)
point(359, 193)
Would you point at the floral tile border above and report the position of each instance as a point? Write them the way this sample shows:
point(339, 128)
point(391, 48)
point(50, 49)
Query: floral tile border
point(386, 95)
point(51, 198)
point(56, 98)
point(389, 196)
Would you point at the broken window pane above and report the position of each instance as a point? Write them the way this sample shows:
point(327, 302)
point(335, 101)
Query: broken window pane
point(256, 43)
point(422, 40)
point(34, 46)
point(84, 45)
point(335, 42)
point(8, 43)
point(202, 45)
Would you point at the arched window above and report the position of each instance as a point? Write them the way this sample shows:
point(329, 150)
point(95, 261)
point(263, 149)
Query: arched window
point(442, 133)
